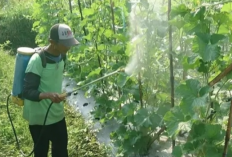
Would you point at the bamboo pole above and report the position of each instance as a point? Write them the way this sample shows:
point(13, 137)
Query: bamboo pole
point(70, 6)
point(227, 137)
point(82, 18)
point(228, 131)
point(221, 75)
point(171, 61)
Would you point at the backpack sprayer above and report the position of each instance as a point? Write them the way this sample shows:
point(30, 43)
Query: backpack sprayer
point(22, 58)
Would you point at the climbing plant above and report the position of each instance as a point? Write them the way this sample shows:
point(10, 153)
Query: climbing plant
point(199, 101)
point(112, 32)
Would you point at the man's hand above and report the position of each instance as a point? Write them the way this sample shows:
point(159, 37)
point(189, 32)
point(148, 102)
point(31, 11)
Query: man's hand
point(54, 97)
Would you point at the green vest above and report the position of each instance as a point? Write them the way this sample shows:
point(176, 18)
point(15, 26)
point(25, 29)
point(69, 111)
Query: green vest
point(50, 81)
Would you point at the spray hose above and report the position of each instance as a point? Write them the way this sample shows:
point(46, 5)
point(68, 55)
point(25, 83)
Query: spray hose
point(50, 105)
point(16, 138)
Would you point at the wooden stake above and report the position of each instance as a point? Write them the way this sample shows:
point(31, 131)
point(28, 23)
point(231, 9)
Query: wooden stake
point(171, 61)
point(227, 137)
point(221, 75)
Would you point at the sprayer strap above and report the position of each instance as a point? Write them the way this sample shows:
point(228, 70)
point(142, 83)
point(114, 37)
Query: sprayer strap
point(43, 58)
point(41, 52)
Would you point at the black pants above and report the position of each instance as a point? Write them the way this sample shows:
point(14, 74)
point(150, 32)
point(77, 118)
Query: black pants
point(56, 133)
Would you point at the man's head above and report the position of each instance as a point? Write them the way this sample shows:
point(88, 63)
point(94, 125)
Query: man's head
point(61, 38)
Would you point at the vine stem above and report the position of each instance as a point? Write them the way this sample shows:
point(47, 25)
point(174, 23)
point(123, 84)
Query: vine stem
point(157, 135)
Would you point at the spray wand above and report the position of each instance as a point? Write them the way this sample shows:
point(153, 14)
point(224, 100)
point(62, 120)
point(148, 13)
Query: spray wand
point(110, 74)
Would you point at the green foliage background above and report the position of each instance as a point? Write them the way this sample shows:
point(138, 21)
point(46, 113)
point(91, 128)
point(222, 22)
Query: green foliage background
point(16, 24)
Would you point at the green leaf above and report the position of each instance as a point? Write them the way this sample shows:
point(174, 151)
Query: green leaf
point(223, 18)
point(141, 116)
point(135, 137)
point(191, 87)
point(179, 10)
point(177, 23)
point(162, 110)
point(204, 90)
point(177, 151)
point(120, 37)
point(230, 37)
point(213, 131)
point(88, 37)
point(203, 67)
point(199, 13)
point(192, 94)
point(211, 53)
point(223, 29)
point(128, 109)
point(121, 130)
point(122, 79)
point(213, 151)
point(227, 7)
point(115, 48)
point(198, 45)
point(88, 11)
point(190, 62)
point(36, 23)
point(155, 120)
point(101, 47)
point(172, 118)
point(199, 102)
point(142, 144)
point(205, 37)
point(208, 52)
point(95, 72)
point(192, 146)
point(108, 33)
point(215, 38)
point(197, 131)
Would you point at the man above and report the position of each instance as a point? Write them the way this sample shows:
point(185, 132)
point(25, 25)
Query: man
point(43, 85)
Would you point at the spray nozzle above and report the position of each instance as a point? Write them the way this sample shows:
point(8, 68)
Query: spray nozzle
point(121, 70)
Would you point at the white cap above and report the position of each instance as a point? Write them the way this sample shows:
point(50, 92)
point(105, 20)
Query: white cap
point(63, 34)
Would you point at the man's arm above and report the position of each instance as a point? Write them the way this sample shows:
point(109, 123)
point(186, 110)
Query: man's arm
point(30, 87)
point(31, 92)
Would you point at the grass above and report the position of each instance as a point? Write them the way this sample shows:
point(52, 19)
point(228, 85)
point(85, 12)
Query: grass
point(82, 142)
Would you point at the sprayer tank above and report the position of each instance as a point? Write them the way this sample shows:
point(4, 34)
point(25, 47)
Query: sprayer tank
point(22, 58)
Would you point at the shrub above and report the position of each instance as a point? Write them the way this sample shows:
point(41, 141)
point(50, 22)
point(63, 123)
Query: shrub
point(16, 24)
